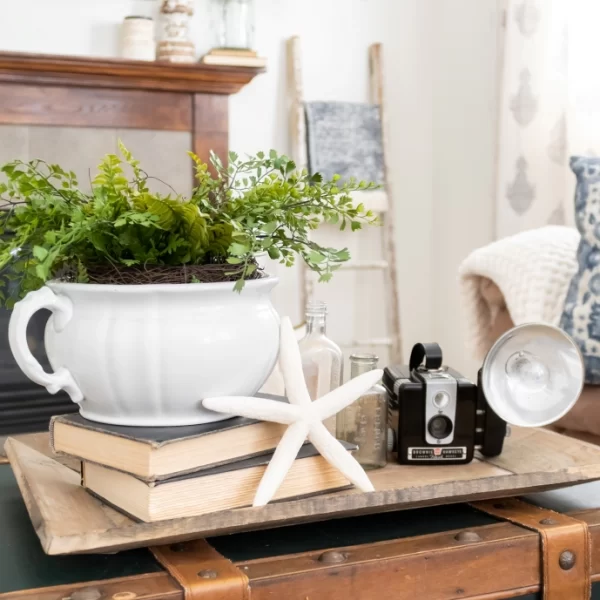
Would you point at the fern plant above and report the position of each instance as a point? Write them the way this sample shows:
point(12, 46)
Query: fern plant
point(51, 229)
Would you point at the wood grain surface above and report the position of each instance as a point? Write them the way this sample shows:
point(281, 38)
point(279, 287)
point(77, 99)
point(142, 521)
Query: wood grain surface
point(39, 441)
point(68, 519)
point(73, 71)
point(376, 78)
point(84, 107)
point(401, 569)
point(210, 126)
point(152, 586)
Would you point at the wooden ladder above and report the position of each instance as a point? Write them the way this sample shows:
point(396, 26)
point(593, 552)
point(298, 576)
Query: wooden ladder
point(379, 201)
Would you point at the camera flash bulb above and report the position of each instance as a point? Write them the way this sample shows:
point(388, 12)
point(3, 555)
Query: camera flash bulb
point(441, 399)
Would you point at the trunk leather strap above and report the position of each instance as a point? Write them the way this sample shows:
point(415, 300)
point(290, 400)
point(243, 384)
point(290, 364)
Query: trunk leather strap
point(202, 572)
point(565, 546)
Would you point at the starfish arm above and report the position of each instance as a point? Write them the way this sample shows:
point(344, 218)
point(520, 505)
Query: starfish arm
point(338, 399)
point(290, 363)
point(254, 408)
point(339, 457)
point(280, 464)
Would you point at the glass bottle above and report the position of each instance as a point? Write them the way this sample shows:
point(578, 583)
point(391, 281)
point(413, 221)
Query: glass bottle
point(364, 422)
point(322, 360)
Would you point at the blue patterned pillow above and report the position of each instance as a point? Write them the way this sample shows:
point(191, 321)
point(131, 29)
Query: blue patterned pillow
point(581, 315)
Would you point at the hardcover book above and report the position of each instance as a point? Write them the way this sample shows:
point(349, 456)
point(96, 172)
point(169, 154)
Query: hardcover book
point(211, 490)
point(234, 61)
point(155, 453)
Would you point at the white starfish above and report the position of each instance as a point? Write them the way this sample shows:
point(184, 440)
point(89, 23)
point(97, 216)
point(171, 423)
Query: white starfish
point(303, 416)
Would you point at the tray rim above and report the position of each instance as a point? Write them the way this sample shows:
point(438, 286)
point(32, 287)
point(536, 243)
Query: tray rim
point(279, 514)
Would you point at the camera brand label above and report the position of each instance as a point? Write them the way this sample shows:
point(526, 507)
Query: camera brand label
point(433, 453)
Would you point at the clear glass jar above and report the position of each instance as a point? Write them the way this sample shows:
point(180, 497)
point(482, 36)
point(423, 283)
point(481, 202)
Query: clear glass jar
point(235, 24)
point(364, 422)
point(322, 359)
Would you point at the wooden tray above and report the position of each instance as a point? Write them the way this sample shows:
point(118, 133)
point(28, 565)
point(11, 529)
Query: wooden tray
point(69, 520)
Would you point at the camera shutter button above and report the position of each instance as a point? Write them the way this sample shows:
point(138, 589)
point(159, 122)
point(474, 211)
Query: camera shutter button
point(441, 400)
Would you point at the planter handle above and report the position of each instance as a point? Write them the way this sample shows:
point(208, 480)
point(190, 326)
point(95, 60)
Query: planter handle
point(62, 309)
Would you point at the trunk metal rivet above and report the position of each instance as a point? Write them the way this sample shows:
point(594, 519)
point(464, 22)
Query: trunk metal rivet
point(467, 536)
point(567, 560)
point(332, 557)
point(208, 574)
point(548, 522)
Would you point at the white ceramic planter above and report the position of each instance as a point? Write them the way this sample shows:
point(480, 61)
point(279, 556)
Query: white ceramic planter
point(147, 355)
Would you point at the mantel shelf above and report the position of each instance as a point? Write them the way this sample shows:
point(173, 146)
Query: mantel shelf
point(73, 71)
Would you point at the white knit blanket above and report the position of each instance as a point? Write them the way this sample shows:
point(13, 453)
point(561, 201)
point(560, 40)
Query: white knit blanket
point(516, 280)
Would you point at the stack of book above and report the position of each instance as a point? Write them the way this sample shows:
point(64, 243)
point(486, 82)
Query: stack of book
point(233, 57)
point(156, 473)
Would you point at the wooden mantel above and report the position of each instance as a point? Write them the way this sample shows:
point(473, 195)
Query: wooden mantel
point(68, 71)
point(68, 91)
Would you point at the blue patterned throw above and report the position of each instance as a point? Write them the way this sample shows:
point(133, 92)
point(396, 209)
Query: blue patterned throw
point(581, 315)
point(345, 138)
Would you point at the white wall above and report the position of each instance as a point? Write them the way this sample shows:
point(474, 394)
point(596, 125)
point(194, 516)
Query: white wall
point(335, 39)
point(465, 79)
point(440, 89)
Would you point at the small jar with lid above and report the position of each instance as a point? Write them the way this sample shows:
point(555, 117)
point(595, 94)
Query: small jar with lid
point(137, 38)
point(364, 422)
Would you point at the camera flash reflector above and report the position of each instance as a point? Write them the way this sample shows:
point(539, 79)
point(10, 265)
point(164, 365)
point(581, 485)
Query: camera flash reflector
point(533, 375)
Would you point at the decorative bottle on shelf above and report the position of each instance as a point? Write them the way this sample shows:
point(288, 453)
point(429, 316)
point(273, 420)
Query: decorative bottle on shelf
point(322, 360)
point(175, 44)
point(364, 423)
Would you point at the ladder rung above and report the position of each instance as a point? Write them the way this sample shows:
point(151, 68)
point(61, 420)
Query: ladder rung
point(362, 265)
point(375, 200)
point(358, 265)
point(372, 342)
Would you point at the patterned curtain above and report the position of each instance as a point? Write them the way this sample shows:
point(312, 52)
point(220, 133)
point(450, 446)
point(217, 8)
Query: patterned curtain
point(549, 109)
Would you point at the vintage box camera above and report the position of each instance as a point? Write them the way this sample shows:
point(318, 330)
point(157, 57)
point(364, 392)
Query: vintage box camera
point(442, 416)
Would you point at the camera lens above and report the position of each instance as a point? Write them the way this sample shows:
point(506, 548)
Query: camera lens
point(440, 427)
